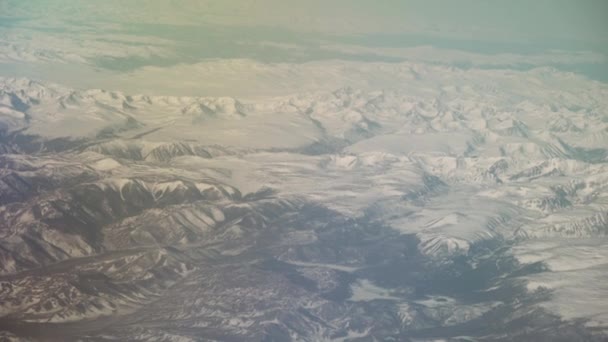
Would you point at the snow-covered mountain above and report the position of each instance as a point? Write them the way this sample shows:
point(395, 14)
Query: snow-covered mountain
point(455, 205)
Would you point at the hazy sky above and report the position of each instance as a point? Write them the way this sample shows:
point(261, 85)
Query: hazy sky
point(476, 19)
point(134, 38)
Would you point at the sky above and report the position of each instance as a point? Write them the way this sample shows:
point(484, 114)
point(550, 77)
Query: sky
point(83, 43)
point(514, 20)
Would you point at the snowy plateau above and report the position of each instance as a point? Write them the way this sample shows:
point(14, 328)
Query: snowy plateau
point(453, 205)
